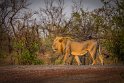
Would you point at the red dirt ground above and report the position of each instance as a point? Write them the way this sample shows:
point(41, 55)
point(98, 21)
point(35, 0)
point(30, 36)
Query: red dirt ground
point(61, 74)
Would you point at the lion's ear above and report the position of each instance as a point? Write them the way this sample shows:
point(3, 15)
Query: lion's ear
point(60, 40)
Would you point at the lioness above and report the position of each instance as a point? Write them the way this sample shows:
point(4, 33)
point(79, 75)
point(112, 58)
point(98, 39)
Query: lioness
point(67, 46)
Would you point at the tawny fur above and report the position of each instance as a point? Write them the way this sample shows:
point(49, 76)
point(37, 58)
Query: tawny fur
point(67, 46)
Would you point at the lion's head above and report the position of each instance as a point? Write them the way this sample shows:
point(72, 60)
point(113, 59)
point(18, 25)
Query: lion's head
point(59, 44)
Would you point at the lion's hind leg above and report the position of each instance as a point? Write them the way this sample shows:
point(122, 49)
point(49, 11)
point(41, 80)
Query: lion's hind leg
point(101, 59)
point(92, 53)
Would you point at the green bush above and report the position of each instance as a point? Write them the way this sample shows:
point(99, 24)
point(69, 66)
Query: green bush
point(116, 45)
point(26, 50)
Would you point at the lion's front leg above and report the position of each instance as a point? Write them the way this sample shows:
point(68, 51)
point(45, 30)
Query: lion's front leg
point(65, 57)
point(78, 60)
point(67, 52)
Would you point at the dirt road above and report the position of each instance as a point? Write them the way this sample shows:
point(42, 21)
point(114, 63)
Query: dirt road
point(61, 74)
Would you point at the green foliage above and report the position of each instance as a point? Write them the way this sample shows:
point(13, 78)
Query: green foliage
point(118, 33)
point(47, 43)
point(115, 43)
point(100, 23)
point(27, 55)
point(76, 16)
point(118, 44)
point(4, 43)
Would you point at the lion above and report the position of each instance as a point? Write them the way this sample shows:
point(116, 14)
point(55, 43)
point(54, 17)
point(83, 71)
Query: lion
point(68, 46)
